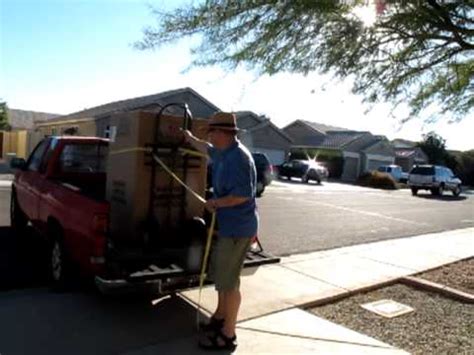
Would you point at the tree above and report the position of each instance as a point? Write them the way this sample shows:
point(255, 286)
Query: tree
point(4, 116)
point(434, 146)
point(466, 167)
point(416, 52)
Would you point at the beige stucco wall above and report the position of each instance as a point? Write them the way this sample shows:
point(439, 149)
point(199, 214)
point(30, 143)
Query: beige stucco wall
point(15, 142)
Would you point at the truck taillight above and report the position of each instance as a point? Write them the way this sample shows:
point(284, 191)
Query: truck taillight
point(100, 223)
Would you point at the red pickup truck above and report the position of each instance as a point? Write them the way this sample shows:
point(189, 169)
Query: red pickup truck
point(61, 191)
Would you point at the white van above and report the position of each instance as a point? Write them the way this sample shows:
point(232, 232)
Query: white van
point(395, 171)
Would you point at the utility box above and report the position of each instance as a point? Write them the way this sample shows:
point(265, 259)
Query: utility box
point(129, 176)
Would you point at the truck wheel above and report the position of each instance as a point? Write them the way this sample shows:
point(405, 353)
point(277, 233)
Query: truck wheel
point(59, 264)
point(414, 191)
point(439, 190)
point(457, 191)
point(18, 218)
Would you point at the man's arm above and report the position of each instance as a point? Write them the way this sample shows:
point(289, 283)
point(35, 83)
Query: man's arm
point(227, 201)
point(198, 144)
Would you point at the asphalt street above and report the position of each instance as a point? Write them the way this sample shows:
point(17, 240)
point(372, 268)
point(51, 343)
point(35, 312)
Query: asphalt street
point(297, 217)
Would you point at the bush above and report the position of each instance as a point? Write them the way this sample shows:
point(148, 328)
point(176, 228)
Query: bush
point(377, 180)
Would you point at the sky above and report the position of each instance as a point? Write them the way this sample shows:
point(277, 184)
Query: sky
point(62, 56)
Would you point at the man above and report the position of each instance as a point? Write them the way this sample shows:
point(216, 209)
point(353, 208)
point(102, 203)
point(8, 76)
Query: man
point(233, 181)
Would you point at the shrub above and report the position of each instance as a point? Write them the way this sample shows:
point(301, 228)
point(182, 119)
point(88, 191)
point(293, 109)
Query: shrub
point(377, 180)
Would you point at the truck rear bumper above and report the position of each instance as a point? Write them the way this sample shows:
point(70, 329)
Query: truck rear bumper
point(120, 286)
point(171, 278)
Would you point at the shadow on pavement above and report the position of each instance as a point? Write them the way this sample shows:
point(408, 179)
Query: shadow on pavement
point(299, 182)
point(23, 259)
point(41, 322)
point(446, 198)
point(36, 320)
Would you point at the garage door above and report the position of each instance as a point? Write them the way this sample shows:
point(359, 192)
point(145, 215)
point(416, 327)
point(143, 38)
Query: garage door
point(275, 156)
point(351, 169)
point(373, 164)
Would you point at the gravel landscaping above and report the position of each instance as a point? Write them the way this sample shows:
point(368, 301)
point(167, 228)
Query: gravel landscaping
point(438, 325)
point(459, 275)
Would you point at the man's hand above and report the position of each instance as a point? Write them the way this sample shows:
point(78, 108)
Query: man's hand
point(196, 143)
point(211, 205)
point(188, 136)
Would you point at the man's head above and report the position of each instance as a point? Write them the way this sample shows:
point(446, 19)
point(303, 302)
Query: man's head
point(222, 129)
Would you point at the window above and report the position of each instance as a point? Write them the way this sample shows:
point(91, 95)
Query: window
point(47, 156)
point(423, 170)
point(83, 158)
point(34, 161)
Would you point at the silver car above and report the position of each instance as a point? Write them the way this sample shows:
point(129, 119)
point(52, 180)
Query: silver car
point(434, 178)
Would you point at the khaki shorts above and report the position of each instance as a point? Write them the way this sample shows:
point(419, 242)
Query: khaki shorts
point(227, 260)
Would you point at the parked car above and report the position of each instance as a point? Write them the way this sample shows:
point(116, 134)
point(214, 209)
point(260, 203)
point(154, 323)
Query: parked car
point(434, 178)
point(395, 171)
point(306, 170)
point(264, 172)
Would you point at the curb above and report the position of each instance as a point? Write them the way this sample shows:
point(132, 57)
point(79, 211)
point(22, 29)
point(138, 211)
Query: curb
point(438, 288)
point(5, 183)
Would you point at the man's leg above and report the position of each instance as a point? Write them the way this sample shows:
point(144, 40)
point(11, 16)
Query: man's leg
point(220, 312)
point(232, 305)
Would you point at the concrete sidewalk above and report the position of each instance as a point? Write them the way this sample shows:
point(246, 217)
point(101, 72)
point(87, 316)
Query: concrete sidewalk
point(270, 320)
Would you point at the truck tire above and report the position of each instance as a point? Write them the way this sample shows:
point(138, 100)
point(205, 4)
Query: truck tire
point(59, 263)
point(260, 189)
point(18, 219)
point(457, 191)
point(414, 191)
point(438, 191)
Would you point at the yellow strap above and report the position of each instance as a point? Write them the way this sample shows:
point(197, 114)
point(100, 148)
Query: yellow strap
point(174, 176)
point(203, 274)
point(130, 150)
point(148, 150)
point(210, 232)
point(192, 152)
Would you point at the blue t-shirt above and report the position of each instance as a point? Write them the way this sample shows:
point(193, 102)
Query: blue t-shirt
point(234, 174)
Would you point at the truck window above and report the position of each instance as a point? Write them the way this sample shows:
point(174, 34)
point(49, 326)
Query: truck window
point(83, 158)
point(47, 155)
point(34, 162)
point(423, 170)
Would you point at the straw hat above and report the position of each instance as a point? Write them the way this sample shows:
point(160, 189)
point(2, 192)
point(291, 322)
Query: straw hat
point(224, 121)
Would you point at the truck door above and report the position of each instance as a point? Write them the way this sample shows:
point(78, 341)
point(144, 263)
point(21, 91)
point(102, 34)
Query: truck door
point(44, 186)
point(27, 191)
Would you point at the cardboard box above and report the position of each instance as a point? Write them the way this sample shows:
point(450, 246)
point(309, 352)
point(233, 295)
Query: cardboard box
point(129, 175)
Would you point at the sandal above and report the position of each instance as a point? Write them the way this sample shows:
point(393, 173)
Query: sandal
point(214, 325)
point(219, 341)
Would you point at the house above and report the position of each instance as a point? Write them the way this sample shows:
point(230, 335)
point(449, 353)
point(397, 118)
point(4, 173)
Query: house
point(17, 141)
point(360, 151)
point(25, 120)
point(407, 154)
point(95, 121)
point(259, 134)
